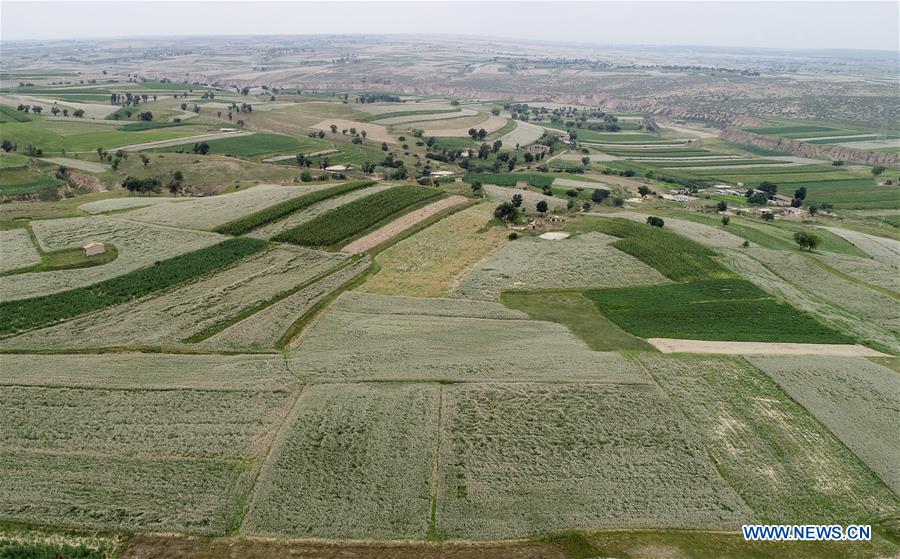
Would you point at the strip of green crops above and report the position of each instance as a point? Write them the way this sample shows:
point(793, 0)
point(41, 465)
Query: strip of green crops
point(676, 257)
point(40, 311)
point(722, 309)
point(268, 215)
point(348, 220)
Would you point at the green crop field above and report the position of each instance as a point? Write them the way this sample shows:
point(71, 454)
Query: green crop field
point(23, 180)
point(728, 309)
point(40, 311)
point(85, 137)
point(254, 146)
point(9, 114)
point(510, 179)
point(354, 218)
point(262, 217)
point(674, 256)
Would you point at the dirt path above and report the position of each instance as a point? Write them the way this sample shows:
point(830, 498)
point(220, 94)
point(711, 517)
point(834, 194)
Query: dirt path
point(182, 141)
point(667, 345)
point(88, 166)
point(401, 224)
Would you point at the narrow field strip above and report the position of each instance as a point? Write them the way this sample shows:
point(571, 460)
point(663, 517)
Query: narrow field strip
point(342, 223)
point(265, 216)
point(182, 141)
point(401, 224)
point(24, 314)
point(670, 345)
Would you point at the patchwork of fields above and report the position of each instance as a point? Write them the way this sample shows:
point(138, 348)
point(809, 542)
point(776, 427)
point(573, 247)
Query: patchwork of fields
point(379, 357)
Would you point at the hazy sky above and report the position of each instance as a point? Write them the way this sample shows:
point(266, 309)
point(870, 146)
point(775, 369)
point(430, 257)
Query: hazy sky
point(858, 25)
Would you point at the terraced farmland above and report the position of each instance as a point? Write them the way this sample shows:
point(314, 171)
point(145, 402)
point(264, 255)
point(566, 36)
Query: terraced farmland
point(351, 343)
point(364, 446)
point(854, 398)
point(780, 460)
point(190, 309)
point(138, 245)
point(592, 455)
point(581, 261)
point(354, 218)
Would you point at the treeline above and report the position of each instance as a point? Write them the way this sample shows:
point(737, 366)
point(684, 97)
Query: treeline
point(35, 312)
point(377, 97)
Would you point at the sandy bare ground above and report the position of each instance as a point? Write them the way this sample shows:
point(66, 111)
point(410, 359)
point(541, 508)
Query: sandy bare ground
point(492, 124)
point(523, 134)
point(401, 224)
point(374, 132)
point(668, 345)
point(88, 166)
point(182, 141)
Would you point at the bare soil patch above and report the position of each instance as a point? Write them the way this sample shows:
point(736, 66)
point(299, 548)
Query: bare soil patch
point(492, 124)
point(668, 345)
point(401, 224)
point(374, 132)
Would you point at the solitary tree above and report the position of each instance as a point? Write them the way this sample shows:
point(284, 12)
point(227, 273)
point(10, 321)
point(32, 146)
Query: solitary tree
point(334, 128)
point(541, 207)
point(877, 170)
point(726, 220)
point(807, 240)
point(655, 221)
point(722, 206)
point(644, 190)
point(585, 160)
point(144, 159)
point(476, 188)
point(599, 195)
point(517, 200)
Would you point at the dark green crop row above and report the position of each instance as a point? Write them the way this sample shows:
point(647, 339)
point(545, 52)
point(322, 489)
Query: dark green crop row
point(331, 228)
point(674, 256)
point(24, 314)
point(725, 309)
point(272, 213)
point(510, 179)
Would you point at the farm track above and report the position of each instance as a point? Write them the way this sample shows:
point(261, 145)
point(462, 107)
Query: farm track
point(668, 345)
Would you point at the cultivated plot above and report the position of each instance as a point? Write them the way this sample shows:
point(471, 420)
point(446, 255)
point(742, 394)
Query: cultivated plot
point(430, 263)
point(355, 462)
point(781, 461)
point(138, 244)
point(177, 315)
point(208, 213)
point(136, 371)
point(580, 261)
point(350, 345)
point(527, 458)
point(271, 326)
point(856, 399)
point(17, 250)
